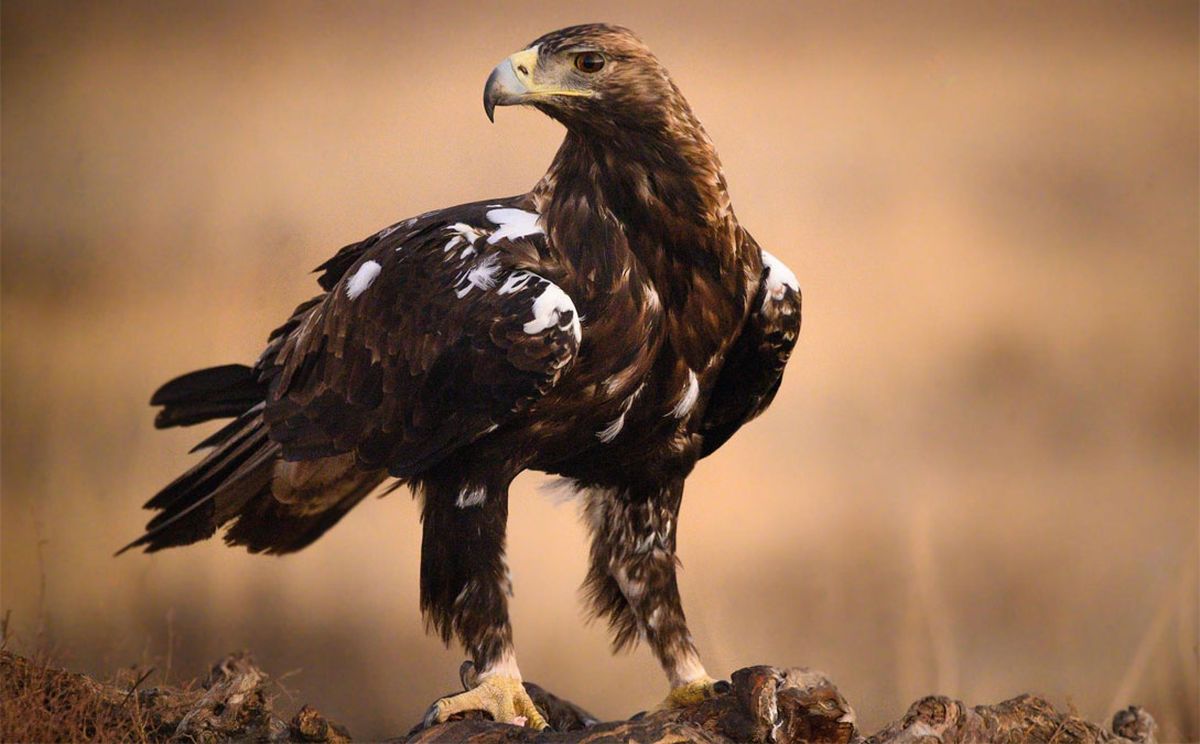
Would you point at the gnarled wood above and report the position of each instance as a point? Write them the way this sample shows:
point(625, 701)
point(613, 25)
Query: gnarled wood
point(788, 706)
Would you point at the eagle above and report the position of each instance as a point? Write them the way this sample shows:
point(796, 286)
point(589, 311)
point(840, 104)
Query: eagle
point(611, 327)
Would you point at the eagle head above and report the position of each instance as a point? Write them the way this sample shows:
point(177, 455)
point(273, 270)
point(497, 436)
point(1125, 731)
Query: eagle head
point(594, 77)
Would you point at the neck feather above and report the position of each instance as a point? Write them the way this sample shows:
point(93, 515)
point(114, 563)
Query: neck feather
point(667, 173)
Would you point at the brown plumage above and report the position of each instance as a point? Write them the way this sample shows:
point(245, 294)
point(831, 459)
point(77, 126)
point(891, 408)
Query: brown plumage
point(611, 326)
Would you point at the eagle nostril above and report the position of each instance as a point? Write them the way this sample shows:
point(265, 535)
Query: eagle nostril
point(522, 69)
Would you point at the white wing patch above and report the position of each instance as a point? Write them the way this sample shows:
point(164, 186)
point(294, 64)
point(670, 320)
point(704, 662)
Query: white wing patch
point(548, 307)
point(465, 231)
point(516, 282)
point(481, 276)
point(779, 278)
point(513, 223)
point(363, 278)
point(690, 394)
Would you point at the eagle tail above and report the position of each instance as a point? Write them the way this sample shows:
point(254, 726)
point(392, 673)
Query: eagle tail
point(267, 525)
point(217, 392)
point(215, 490)
point(236, 482)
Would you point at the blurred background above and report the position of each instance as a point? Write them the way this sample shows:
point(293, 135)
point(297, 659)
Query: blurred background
point(979, 478)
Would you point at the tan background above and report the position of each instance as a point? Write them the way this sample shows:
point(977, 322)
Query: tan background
point(980, 476)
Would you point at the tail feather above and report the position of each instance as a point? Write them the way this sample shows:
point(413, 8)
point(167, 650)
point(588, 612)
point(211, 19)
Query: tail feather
point(235, 483)
point(195, 504)
point(267, 525)
point(220, 436)
point(217, 467)
point(217, 392)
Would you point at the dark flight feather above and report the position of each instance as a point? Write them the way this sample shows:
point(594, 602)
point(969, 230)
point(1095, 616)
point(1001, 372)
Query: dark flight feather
point(206, 394)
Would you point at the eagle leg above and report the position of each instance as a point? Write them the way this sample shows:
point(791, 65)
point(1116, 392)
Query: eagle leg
point(465, 588)
point(631, 579)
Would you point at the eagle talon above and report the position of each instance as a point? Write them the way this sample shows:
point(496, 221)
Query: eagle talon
point(431, 716)
point(503, 698)
point(691, 693)
point(466, 674)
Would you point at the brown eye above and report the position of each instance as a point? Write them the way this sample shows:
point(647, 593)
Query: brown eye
point(589, 62)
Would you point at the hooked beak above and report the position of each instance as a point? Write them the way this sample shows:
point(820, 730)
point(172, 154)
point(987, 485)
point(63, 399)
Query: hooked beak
point(510, 83)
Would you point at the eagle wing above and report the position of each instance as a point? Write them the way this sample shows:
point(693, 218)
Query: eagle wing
point(431, 334)
point(753, 370)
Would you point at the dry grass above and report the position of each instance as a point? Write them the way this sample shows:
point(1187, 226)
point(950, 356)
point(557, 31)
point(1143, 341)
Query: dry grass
point(42, 703)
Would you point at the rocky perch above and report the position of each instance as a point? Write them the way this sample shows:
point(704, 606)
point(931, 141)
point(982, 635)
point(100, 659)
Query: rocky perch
point(762, 704)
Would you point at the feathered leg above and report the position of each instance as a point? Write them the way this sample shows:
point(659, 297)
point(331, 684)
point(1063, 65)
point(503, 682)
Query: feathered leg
point(464, 592)
point(631, 580)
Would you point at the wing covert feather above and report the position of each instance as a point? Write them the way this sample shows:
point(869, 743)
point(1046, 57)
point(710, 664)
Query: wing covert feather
point(430, 336)
point(754, 368)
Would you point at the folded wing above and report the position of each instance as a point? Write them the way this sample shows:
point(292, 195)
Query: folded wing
point(432, 334)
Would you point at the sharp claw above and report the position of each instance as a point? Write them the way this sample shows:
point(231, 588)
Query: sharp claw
point(466, 674)
point(431, 716)
point(528, 711)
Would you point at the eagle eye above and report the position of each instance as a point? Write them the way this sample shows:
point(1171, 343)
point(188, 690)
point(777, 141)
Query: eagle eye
point(589, 62)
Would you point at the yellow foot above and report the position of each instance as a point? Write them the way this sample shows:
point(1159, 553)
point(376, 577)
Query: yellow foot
point(693, 692)
point(504, 698)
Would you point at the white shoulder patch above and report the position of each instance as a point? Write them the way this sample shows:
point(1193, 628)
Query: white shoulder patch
point(363, 278)
point(690, 395)
point(513, 223)
point(779, 278)
point(548, 307)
